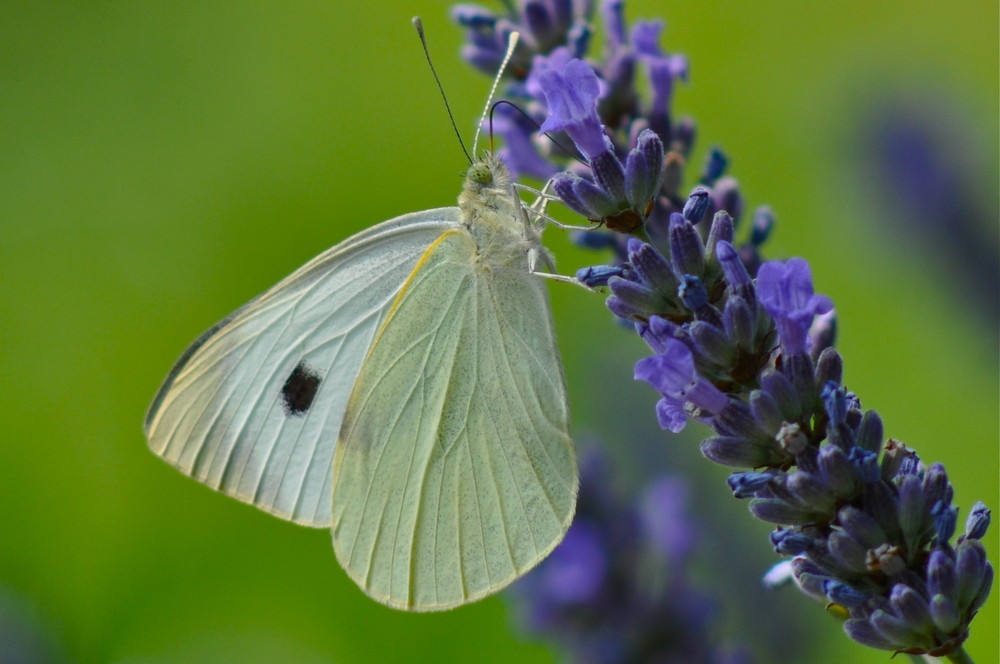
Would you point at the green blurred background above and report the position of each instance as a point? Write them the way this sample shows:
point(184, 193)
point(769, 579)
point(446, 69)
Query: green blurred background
point(163, 162)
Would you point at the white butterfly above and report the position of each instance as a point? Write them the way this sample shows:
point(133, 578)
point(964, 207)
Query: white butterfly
point(404, 389)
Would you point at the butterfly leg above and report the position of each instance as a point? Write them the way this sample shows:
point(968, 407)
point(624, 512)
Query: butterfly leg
point(543, 199)
point(540, 255)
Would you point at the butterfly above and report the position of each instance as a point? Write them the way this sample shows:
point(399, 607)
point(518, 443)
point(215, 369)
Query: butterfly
point(404, 389)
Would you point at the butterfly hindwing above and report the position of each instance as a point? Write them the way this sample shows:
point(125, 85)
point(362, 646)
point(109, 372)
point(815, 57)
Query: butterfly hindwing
point(455, 473)
point(253, 407)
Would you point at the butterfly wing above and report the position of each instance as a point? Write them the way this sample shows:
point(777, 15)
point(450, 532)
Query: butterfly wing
point(254, 406)
point(455, 473)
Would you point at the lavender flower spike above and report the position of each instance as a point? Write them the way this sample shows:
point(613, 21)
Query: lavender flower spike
point(742, 345)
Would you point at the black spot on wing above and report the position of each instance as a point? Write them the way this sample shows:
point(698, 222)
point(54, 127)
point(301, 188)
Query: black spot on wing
point(299, 391)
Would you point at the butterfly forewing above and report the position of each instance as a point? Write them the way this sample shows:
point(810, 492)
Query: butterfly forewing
point(253, 407)
point(454, 472)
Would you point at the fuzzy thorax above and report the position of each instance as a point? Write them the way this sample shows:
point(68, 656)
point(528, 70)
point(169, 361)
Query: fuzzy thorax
point(492, 212)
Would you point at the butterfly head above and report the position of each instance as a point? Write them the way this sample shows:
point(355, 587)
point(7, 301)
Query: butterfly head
point(487, 185)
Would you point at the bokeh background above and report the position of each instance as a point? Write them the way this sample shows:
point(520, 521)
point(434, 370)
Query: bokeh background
point(163, 162)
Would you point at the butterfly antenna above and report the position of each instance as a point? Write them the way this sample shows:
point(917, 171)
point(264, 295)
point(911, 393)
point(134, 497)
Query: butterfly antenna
point(511, 45)
point(419, 26)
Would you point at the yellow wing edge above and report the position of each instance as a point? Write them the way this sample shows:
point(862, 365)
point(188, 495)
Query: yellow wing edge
point(403, 290)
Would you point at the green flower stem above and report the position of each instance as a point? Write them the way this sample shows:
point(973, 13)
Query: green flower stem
point(959, 657)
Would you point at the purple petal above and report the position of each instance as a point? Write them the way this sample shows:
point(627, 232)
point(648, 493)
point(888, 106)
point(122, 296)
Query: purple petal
point(671, 371)
point(554, 61)
point(613, 13)
point(670, 414)
point(786, 291)
point(646, 38)
point(571, 95)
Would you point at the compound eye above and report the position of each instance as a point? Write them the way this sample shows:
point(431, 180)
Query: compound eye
point(480, 173)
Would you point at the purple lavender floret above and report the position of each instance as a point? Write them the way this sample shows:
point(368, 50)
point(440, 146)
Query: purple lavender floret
point(616, 589)
point(571, 95)
point(786, 291)
point(663, 68)
point(672, 373)
point(739, 343)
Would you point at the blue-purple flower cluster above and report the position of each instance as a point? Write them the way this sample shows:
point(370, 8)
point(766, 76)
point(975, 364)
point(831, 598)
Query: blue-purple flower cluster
point(617, 590)
point(740, 344)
